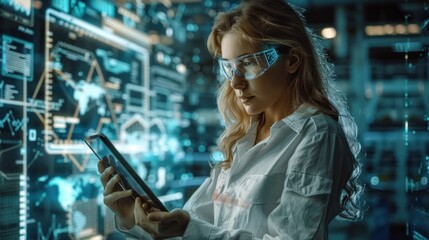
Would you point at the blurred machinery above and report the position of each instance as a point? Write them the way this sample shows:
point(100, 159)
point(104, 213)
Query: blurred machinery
point(139, 71)
point(380, 50)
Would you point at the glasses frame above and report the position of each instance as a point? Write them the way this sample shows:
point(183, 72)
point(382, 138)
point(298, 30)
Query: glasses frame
point(270, 55)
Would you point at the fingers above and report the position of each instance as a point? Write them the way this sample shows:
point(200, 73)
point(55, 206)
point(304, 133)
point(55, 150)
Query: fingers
point(103, 164)
point(106, 175)
point(143, 206)
point(175, 215)
point(170, 224)
point(100, 167)
point(159, 224)
point(162, 216)
point(155, 217)
point(148, 208)
point(166, 216)
point(111, 194)
point(141, 217)
point(110, 198)
point(111, 183)
point(151, 206)
point(148, 204)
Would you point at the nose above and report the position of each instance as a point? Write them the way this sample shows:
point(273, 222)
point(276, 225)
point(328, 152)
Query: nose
point(238, 82)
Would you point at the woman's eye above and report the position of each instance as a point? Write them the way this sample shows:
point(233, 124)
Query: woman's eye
point(248, 62)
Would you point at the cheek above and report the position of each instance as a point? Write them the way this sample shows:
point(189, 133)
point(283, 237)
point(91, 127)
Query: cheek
point(272, 84)
point(279, 80)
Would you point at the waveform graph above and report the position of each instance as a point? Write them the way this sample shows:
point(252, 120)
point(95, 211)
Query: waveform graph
point(21, 11)
point(12, 125)
point(12, 172)
point(13, 205)
point(88, 87)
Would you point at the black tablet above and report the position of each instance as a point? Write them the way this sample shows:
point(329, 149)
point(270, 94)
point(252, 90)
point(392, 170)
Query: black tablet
point(106, 152)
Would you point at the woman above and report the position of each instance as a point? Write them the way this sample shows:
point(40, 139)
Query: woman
point(289, 145)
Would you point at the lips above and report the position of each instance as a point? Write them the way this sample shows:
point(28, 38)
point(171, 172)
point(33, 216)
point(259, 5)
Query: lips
point(246, 99)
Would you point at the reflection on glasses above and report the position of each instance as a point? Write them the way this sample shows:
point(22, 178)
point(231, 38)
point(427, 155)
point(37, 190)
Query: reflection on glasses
point(250, 66)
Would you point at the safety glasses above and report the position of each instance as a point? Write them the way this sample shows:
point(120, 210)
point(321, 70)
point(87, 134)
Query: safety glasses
point(250, 66)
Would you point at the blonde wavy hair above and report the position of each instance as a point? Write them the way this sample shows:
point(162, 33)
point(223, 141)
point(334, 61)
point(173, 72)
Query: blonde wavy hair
point(277, 23)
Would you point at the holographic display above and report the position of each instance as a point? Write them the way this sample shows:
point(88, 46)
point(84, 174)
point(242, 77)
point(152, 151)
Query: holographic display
point(17, 58)
point(102, 76)
point(139, 72)
point(73, 80)
point(18, 10)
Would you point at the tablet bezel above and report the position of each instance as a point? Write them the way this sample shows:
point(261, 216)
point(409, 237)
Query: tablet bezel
point(127, 167)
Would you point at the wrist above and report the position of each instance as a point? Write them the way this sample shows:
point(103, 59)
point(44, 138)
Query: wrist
point(125, 222)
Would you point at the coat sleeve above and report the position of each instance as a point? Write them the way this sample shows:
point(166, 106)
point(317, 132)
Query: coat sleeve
point(311, 193)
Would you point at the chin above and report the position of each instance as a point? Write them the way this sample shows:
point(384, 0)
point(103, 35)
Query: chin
point(252, 112)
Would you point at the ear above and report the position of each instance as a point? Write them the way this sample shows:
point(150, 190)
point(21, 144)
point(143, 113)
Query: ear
point(294, 60)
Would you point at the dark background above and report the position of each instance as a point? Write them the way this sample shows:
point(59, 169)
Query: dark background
point(161, 110)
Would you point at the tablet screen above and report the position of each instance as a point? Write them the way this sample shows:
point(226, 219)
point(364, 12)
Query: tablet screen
point(102, 147)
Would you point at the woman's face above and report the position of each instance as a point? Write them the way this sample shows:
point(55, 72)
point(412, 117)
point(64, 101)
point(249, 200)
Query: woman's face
point(267, 93)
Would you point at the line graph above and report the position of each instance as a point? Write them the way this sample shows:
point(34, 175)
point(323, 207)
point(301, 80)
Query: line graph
point(10, 122)
point(83, 94)
point(2, 151)
point(89, 93)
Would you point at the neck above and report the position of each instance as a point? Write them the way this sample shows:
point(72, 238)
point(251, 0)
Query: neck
point(271, 116)
point(267, 120)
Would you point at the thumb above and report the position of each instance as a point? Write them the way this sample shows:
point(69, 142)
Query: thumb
point(158, 216)
point(175, 215)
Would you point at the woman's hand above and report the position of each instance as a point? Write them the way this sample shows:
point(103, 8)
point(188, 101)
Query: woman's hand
point(160, 224)
point(118, 200)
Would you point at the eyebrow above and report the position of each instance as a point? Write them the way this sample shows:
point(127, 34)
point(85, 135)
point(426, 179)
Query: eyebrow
point(244, 54)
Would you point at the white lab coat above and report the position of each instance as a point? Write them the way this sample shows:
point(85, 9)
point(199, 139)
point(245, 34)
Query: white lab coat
point(288, 186)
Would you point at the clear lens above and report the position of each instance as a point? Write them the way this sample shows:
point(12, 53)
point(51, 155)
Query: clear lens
point(226, 69)
point(249, 66)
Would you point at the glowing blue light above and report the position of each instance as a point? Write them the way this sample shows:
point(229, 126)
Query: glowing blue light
point(169, 32)
point(208, 3)
point(375, 180)
point(196, 59)
point(167, 59)
point(406, 126)
point(424, 180)
point(191, 27)
point(171, 197)
point(217, 156)
point(67, 194)
point(202, 148)
point(187, 142)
